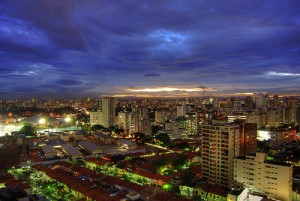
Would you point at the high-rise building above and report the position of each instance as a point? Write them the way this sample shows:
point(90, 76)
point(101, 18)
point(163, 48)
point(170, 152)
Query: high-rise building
point(281, 137)
point(96, 118)
point(248, 138)
point(108, 106)
point(162, 115)
point(268, 178)
point(191, 123)
point(220, 145)
point(261, 101)
point(145, 126)
point(183, 109)
point(125, 121)
point(249, 103)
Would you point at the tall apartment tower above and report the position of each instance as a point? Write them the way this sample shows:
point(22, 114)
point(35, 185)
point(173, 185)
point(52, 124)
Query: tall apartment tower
point(108, 111)
point(191, 123)
point(183, 109)
point(220, 145)
point(248, 137)
point(96, 118)
point(125, 122)
point(272, 179)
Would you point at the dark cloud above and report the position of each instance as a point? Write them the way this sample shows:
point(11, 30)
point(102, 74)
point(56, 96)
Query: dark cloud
point(104, 45)
point(152, 75)
point(68, 82)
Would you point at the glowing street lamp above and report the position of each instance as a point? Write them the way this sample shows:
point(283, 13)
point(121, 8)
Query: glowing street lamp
point(42, 121)
point(67, 119)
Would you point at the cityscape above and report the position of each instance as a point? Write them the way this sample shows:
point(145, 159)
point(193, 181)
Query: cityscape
point(169, 100)
point(208, 148)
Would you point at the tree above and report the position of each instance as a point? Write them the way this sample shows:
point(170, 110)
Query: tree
point(142, 138)
point(117, 158)
point(138, 160)
point(97, 127)
point(27, 129)
point(188, 176)
point(85, 127)
point(183, 145)
point(179, 161)
point(158, 163)
point(164, 139)
point(155, 129)
point(263, 146)
point(119, 131)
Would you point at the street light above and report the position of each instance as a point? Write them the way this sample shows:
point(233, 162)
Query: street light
point(42, 121)
point(67, 119)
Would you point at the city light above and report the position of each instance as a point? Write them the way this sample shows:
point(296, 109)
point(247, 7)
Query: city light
point(68, 119)
point(42, 121)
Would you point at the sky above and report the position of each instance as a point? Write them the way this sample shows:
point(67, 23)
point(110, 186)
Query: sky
point(79, 48)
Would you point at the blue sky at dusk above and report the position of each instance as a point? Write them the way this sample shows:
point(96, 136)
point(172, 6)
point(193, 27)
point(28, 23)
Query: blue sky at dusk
point(77, 48)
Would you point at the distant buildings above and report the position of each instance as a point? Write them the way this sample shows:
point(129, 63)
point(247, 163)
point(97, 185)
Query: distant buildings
point(105, 115)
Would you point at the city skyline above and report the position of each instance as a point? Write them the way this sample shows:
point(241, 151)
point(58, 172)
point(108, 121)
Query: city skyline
point(68, 49)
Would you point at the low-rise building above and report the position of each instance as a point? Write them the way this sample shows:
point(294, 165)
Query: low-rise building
point(106, 139)
point(71, 151)
point(49, 151)
point(64, 136)
point(127, 144)
point(90, 147)
point(272, 179)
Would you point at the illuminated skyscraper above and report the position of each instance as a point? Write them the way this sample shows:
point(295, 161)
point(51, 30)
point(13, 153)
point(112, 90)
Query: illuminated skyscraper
point(220, 145)
point(108, 111)
point(125, 121)
point(183, 109)
point(248, 138)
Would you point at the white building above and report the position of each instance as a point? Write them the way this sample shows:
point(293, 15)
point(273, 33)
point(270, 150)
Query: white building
point(268, 178)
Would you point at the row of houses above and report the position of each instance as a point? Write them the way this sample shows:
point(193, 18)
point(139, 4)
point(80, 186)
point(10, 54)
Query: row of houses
point(87, 184)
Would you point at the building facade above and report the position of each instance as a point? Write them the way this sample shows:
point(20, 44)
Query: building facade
point(220, 145)
point(270, 179)
point(108, 111)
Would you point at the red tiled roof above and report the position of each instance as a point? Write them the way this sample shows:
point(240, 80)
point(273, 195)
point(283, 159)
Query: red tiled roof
point(97, 161)
point(197, 170)
point(151, 175)
point(217, 190)
point(181, 199)
point(145, 166)
point(133, 186)
point(165, 196)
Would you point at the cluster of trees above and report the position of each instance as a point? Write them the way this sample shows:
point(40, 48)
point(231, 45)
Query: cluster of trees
point(111, 129)
point(166, 165)
point(27, 129)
